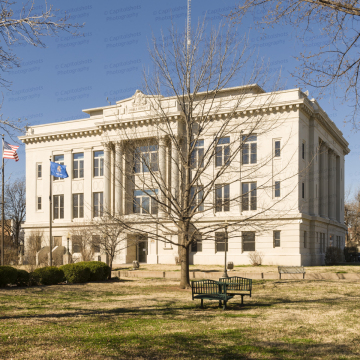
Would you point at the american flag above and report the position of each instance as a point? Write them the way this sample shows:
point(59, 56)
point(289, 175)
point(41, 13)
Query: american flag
point(9, 151)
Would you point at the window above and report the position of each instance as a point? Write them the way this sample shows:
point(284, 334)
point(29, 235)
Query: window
point(248, 241)
point(39, 171)
point(223, 152)
point(145, 202)
point(276, 239)
point(60, 160)
point(220, 240)
point(249, 196)
point(196, 246)
point(95, 243)
point(78, 165)
point(303, 151)
point(78, 206)
point(98, 163)
point(303, 190)
point(76, 243)
point(58, 206)
point(277, 148)
point(39, 203)
point(196, 196)
point(305, 239)
point(222, 198)
point(249, 151)
point(197, 156)
point(98, 204)
point(146, 158)
point(277, 189)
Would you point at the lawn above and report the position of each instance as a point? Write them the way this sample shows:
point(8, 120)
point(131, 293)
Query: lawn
point(154, 319)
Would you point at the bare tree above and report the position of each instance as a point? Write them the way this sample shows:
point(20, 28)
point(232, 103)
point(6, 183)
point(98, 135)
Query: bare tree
point(15, 208)
point(82, 241)
point(336, 62)
point(352, 220)
point(26, 25)
point(110, 236)
point(33, 245)
point(205, 134)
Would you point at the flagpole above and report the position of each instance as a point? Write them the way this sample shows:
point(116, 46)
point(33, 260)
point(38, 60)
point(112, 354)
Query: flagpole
point(50, 218)
point(2, 205)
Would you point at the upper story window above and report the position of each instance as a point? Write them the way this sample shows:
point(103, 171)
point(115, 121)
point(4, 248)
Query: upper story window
point(197, 156)
point(277, 148)
point(60, 160)
point(220, 241)
point(78, 206)
point(196, 196)
point(58, 206)
point(98, 163)
point(276, 239)
point(303, 190)
point(78, 165)
point(39, 171)
point(223, 152)
point(249, 201)
point(146, 159)
point(277, 189)
point(145, 202)
point(39, 203)
point(222, 198)
point(249, 151)
point(248, 241)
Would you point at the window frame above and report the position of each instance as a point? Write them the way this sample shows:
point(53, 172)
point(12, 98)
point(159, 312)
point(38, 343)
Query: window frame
point(250, 196)
point(222, 152)
point(221, 235)
point(146, 163)
point(57, 208)
point(277, 189)
point(98, 163)
point(303, 150)
point(39, 203)
point(38, 171)
point(61, 162)
point(222, 203)
point(76, 241)
point(145, 196)
point(305, 239)
point(98, 208)
point(79, 207)
point(246, 233)
point(276, 232)
point(249, 152)
point(303, 190)
point(80, 166)
point(277, 150)
point(197, 155)
point(196, 197)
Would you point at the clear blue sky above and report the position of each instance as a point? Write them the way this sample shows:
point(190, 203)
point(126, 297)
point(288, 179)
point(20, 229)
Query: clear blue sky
point(71, 74)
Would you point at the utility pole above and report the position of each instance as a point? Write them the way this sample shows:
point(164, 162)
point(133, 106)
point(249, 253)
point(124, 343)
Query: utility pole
point(2, 205)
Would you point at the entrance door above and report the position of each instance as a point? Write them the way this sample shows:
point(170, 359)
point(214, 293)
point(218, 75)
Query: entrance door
point(142, 251)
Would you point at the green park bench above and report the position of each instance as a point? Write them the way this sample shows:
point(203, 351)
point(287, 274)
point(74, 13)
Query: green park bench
point(238, 286)
point(222, 290)
point(291, 270)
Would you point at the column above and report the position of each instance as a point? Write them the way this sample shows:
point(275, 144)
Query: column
point(337, 189)
point(175, 146)
point(68, 161)
point(88, 177)
point(162, 174)
point(324, 180)
point(331, 183)
point(118, 178)
point(107, 176)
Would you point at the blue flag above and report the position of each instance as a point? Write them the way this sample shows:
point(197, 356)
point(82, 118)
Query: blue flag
point(58, 170)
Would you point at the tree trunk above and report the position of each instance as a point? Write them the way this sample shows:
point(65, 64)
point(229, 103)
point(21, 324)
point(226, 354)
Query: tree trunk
point(184, 258)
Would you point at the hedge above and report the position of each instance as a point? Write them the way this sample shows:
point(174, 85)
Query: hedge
point(99, 271)
point(76, 273)
point(49, 275)
point(23, 278)
point(8, 275)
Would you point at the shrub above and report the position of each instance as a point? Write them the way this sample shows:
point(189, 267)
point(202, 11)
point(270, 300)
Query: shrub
point(98, 270)
point(23, 278)
point(8, 275)
point(76, 273)
point(332, 256)
point(49, 275)
point(256, 258)
point(350, 253)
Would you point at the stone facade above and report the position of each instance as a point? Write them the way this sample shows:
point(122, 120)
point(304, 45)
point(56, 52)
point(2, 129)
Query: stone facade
point(312, 151)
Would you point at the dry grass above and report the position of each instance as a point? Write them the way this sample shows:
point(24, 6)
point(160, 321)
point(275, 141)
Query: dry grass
point(154, 319)
point(348, 268)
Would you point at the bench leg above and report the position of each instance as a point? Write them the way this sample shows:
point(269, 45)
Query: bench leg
point(224, 307)
point(219, 303)
point(242, 299)
point(202, 304)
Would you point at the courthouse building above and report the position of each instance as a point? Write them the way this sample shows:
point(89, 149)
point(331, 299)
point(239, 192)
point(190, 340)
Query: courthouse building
point(306, 173)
